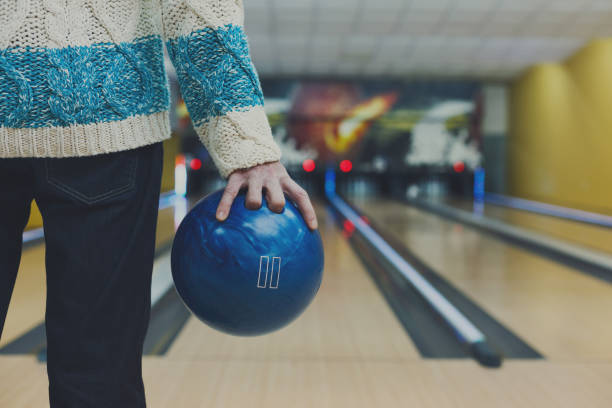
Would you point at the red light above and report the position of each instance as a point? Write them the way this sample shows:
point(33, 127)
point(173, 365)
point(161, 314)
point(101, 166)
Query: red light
point(195, 164)
point(346, 166)
point(459, 166)
point(308, 165)
point(348, 226)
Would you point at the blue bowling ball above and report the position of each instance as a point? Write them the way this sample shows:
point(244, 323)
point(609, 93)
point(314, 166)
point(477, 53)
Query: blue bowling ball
point(251, 274)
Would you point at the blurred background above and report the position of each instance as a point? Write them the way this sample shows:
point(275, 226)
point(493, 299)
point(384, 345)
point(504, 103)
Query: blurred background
point(419, 95)
point(458, 155)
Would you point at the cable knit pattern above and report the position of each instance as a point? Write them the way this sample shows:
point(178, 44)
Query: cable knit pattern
point(12, 14)
point(81, 85)
point(222, 92)
point(214, 67)
point(239, 137)
point(85, 77)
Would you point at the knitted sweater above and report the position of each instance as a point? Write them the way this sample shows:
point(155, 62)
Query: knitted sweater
point(85, 77)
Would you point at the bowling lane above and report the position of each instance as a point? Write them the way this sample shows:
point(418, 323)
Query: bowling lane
point(561, 312)
point(27, 308)
point(348, 320)
point(578, 233)
point(340, 384)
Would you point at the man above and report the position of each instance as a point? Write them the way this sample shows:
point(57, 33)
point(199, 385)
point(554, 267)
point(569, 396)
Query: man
point(83, 110)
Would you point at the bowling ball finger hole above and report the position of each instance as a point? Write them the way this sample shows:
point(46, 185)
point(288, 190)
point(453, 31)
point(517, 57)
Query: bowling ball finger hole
point(282, 210)
point(266, 202)
point(255, 207)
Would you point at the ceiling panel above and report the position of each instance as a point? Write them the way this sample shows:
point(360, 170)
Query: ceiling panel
point(441, 38)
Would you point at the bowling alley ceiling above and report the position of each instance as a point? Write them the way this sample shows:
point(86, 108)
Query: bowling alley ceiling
point(494, 39)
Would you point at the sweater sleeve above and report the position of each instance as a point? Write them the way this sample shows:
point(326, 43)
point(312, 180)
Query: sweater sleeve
point(209, 50)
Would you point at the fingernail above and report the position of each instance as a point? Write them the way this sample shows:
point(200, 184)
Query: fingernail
point(221, 216)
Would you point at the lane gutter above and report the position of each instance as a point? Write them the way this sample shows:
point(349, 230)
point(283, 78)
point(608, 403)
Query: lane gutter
point(509, 344)
point(466, 332)
point(592, 262)
point(550, 210)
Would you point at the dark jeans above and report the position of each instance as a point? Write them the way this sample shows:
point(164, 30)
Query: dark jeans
point(100, 216)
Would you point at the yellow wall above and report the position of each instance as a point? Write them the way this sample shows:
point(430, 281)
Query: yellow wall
point(560, 136)
point(171, 149)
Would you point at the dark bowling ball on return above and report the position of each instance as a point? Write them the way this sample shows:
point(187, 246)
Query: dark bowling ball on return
point(251, 274)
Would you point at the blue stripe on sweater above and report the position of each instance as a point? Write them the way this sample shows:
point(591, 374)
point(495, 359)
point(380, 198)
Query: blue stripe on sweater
point(79, 85)
point(215, 72)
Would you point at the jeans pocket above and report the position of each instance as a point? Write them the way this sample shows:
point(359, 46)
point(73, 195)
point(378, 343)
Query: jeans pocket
point(94, 179)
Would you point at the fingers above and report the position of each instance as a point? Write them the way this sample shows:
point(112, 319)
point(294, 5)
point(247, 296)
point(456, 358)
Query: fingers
point(234, 184)
point(275, 196)
point(300, 196)
point(274, 178)
point(253, 197)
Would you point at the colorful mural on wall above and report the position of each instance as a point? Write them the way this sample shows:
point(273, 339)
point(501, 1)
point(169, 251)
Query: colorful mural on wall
point(378, 125)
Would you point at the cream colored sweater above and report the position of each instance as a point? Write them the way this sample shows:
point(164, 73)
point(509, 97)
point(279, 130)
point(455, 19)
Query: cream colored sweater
point(85, 77)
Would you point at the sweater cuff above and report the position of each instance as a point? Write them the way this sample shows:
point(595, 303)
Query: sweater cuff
point(239, 140)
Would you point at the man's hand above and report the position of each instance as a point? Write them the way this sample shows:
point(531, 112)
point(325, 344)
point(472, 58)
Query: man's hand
point(274, 179)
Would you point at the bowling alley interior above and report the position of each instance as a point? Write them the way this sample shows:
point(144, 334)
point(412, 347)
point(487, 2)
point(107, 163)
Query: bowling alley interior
point(457, 155)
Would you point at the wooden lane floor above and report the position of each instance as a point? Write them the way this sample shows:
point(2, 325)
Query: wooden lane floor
point(347, 350)
point(27, 307)
point(577, 233)
point(349, 319)
point(340, 384)
point(561, 312)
